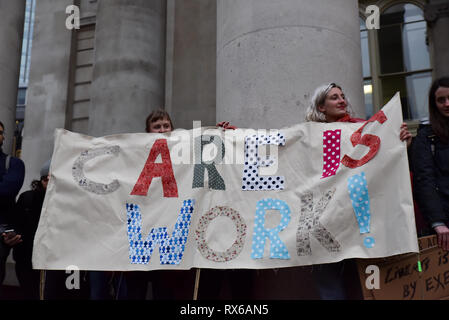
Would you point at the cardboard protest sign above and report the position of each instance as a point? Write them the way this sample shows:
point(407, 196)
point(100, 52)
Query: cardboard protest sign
point(307, 194)
point(400, 277)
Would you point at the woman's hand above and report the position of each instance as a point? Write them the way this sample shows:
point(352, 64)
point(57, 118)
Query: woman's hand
point(404, 134)
point(226, 125)
point(11, 238)
point(443, 237)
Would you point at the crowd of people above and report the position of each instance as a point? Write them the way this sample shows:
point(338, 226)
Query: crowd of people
point(429, 154)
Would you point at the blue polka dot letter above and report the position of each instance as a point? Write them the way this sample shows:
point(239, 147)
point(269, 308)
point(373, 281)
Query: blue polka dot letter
point(278, 250)
point(358, 192)
point(171, 249)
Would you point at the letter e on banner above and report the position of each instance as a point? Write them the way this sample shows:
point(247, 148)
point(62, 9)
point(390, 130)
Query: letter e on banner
point(251, 181)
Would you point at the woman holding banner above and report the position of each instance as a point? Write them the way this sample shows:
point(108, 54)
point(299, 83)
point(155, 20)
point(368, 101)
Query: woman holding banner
point(329, 104)
point(166, 284)
point(430, 157)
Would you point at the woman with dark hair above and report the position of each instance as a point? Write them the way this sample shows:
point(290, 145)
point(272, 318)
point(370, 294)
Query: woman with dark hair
point(431, 163)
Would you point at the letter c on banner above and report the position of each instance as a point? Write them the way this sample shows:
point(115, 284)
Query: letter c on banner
point(236, 247)
point(89, 185)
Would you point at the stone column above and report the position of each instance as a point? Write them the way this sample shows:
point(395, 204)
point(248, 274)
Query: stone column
point(191, 61)
point(129, 66)
point(436, 14)
point(48, 83)
point(271, 55)
point(12, 16)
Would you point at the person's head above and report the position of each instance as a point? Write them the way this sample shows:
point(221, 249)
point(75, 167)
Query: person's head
point(45, 173)
point(2, 133)
point(159, 122)
point(439, 108)
point(41, 184)
point(328, 104)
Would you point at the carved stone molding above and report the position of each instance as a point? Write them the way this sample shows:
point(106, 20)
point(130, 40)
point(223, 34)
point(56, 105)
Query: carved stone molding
point(434, 11)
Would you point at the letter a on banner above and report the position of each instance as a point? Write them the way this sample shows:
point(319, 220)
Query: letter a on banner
point(163, 170)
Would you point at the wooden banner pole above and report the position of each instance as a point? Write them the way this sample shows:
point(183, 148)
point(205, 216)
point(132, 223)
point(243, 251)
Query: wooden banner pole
point(197, 284)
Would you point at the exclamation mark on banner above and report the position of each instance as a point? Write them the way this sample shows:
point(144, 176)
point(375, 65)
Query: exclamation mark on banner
point(358, 192)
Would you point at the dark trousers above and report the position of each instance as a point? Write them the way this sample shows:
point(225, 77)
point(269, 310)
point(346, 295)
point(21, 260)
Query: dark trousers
point(29, 280)
point(107, 285)
point(4, 252)
point(213, 281)
point(56, 289)
point(166, 284)
point(329, 281)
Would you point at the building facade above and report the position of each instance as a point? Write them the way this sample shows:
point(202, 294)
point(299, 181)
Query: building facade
point(254, 63)
point(25, 61)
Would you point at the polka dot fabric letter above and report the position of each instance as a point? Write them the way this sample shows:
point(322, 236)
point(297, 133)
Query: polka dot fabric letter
point(251, 179)
point(358, 192)
point(331, 152)
point(278, 250)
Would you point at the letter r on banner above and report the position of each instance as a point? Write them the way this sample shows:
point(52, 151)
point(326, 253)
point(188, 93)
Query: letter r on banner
point(278, 250)
point(216, 182)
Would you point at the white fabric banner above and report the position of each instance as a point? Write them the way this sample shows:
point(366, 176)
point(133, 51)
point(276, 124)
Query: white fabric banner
point(307, 194)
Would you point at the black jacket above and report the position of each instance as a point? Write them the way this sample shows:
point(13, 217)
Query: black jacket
point(26, 219)
point(11, 181)
point(431, 175)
